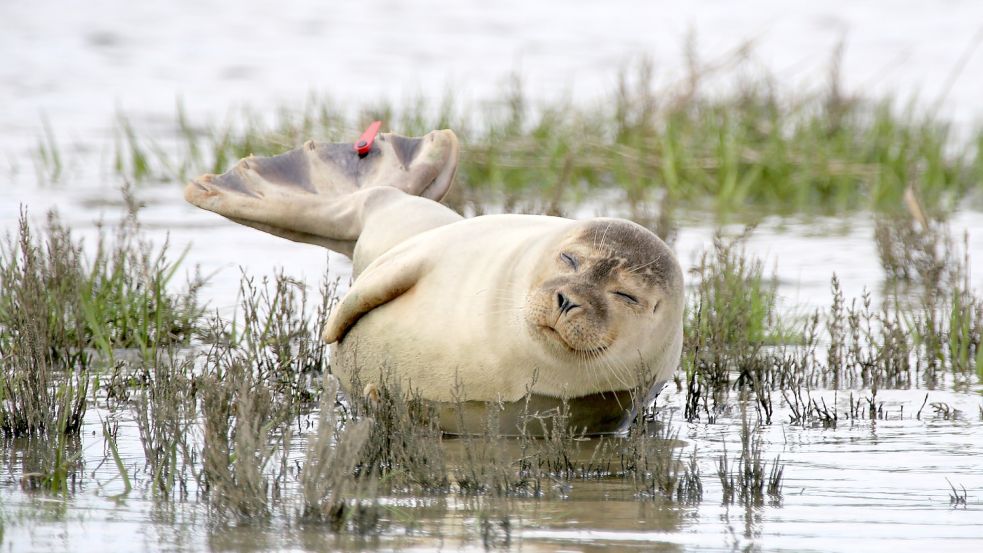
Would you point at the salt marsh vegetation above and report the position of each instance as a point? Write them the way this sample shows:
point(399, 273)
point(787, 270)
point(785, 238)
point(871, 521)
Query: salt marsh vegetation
point(101, 343)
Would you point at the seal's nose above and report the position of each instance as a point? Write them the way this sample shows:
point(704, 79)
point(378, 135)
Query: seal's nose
point(565, 304)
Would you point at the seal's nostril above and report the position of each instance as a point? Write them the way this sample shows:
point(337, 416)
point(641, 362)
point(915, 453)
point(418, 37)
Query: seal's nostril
point(564, 303)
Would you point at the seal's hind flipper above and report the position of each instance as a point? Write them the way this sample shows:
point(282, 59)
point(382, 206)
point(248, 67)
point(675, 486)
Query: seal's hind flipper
point(303, 194)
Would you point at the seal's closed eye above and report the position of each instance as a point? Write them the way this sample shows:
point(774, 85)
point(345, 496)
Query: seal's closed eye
point(627, 297)
point(570, 260)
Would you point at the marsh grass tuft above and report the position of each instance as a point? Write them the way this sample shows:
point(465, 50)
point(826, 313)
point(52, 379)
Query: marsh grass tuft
point(63, 317)
point(43, 353)
point(911, 254)
point(957, 499)
point(276, 329)
point(749, 480)
point(130, 159)
point(653, 457)
point(58, 309)
point(164, 403)
point(487, 464)
point(119, 298)
point(404, 445)
point(243, 426)
point(48, 162)
point(946, 324)
point(258, 375)
point(730, 319)
point(331, 490)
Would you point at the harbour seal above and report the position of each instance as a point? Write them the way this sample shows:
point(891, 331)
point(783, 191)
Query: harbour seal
point(491, 309)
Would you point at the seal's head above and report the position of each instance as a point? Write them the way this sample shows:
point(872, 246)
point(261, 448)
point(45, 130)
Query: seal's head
point(609, 295)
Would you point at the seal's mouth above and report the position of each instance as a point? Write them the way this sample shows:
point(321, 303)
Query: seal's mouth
point(555, 336)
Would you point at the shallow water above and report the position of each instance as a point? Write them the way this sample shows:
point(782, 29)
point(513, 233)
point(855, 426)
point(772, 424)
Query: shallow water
point(866, 485)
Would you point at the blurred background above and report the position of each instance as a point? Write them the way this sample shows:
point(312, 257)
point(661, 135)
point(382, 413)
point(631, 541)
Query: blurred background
point(80, 65)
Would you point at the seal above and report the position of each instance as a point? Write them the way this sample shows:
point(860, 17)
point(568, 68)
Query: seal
point(491, 309)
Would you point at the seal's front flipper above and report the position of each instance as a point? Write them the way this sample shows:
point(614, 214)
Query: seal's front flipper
point(306, 194)
point(387, 278)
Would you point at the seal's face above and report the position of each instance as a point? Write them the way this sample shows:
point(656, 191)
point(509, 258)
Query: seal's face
point(610, 291)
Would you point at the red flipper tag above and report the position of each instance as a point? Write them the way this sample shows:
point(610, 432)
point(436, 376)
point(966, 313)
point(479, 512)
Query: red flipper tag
point(364, 143)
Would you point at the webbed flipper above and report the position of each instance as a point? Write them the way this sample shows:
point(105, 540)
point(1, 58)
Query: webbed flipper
point(306, 194)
